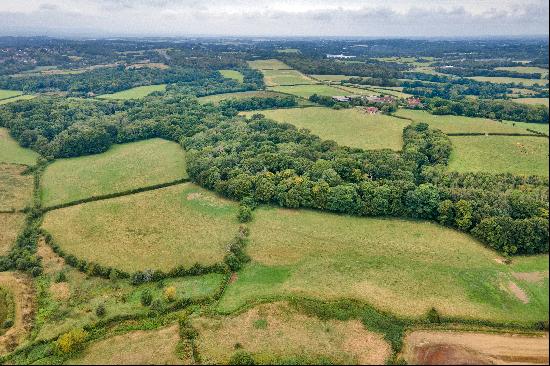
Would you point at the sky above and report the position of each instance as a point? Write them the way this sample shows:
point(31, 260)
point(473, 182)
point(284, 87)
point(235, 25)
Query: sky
point(353, 18)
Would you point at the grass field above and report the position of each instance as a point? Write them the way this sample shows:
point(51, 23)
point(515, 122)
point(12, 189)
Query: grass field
point(7, 307)
point(216, 98)
point(404, 267)
point(508, 80)
point(11, 152)
point(460, 124)
point(349, 127)
point(6, 94)
point(15, 188)
point(525, 69)
point(232, 74)
point(10, 225)
point(333, 78)
point(268, 65)
point(543, 101)
point(134, 93)
point(159, 229)
point(522, 155)
point(121, 168)
point(15, 99)
point(285, 77)
point(140, 347)
point(277, 334)
point(540, 127)
point(305, 91)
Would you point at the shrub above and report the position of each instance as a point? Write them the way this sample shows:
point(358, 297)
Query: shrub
point(8, 323)
point(241, 358)
point(245, 214)
point(100, 310)
point(61, 277)
point(433, 316)
point(146, 297)
point(71, 341)
point(170, 293)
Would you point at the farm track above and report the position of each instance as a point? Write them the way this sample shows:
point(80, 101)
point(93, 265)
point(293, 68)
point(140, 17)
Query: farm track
point(115, 195)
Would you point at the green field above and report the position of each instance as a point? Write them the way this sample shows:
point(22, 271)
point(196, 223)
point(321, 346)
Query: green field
point(121, 168)
point(15, 99)
point(461, 124)
point(11, 224)
point(11, 152)
point(305, 91)
point(268, 65)
point(15, 188)
point(216, 98)
point(401, 266)
point(285, 77)
point(508, 80)
point(333, 78)
point(526, 69)
point(349, 127)
point(543, 101)
point(232, 74)
point(159, 229)
point(276, 332)
point(523, 155)
point(540, 127)
point(6, 94)
point(134, 93)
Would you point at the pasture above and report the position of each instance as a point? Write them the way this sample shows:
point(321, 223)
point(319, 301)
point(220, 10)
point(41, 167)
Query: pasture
point(15, 99)
point(15, 188)
point(232, 74)
point(286, 77)
point(526, 69)
point(509, 80)
point(332, 78)
point(279, 334)
point(461, 124)
point(10, 224)
point(161, 229)
point(123, 167)
point(523, 155)
point(11, 152)
point(272, 64)
point(543, 101)
point(216, 98)
point(350, 127)
point(134, 93)
point(539, 127)
point(305, 91)
point(401, 266)
point(6, 94)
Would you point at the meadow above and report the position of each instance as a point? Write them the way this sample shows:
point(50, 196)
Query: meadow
point(11, 152)
point(523, 155)
point(161, 229)
point(404, 267)
point(216, 98)
point(134, 93)
point(6, 94)
point(543, 101)
point(16, 99)
point(11, 224)
point(277, 334)
point(272, 64)
point(232, 74)
point(539, 127)
point(509, 80)
point(15, 188)
point(349, 127)
point(526, 69)
point(461, 124)
point(331, 78)
point(123, 167)
point(305, 91)
point(285, 77)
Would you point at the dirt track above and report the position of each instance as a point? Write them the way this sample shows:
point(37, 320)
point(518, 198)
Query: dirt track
point(465, 348)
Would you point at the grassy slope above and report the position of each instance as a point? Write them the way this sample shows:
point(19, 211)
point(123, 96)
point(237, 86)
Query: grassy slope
point(11, 152)
point(523, 155)
point(540, 127)
point(121, 168)
point(507, 80)
point(15, 99)
point(543, 101)
point(404, 267)
point(160, 229)
point(349, 127)
point(273, 332)
point(305, 91)
point(5, 94)
point(268, 65)
point(10, 226)
point(525, 69)
point(285, 77)
point(460, 124)
point(134, 93)
point(15, 189)
point(232, 74)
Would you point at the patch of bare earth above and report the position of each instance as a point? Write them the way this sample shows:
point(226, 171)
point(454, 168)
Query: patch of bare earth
point(518, 292)
point(532, 277)
point(51, 262)
point(20, 285)
point(465, 348)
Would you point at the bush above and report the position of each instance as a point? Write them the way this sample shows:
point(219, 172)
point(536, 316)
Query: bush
point(170, 293)
point(146, 298)
point(8, 323)
point(71, 341)
point(61, 277)
point(245, 214)
point(100, 310)
point(433, 316)
point(241, 358)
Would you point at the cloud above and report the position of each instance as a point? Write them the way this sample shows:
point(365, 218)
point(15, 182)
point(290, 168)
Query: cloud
point(420, 18)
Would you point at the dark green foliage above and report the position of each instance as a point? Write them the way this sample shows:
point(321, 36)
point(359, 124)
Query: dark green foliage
point(245, 213)
point(100, 310)
point(60, 277)
point(241, 358)
point(146, 297)
point(255, 103)
point(433, 316)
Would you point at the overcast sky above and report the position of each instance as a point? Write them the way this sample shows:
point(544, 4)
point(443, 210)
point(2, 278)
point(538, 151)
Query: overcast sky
point(368, 18)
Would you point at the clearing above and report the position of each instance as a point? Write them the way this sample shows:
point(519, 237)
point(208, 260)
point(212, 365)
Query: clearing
point(134, 93)
point(401, 266)
point(159, 229)
point(7, 94)
point(524, 155)
point(11, 152)
point(15, 99)
point(123, 167)
point(349, 127)
point(10, 226)
point(140, 347)
point(278, 334)
point(526, 69)
point(543, 101)
point(272, 64)
point(465, 348)
point(232, 74)
point(286, 77)
point(15, 188)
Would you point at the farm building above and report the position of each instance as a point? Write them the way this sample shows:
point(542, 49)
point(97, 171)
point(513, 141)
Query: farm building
point(387, 99)
point(341, 99)
point(371, 110)
point(414, 102)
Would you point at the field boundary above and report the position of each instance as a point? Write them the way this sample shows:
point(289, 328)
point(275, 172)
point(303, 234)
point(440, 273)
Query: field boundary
point(115, 195)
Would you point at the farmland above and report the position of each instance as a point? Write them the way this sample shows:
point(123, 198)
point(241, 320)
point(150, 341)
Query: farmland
point(15, 187)
point(349, 127)
point(522, 155)
point(509, 80)
point(232, 74)
point(543, 101)
point(305, 91)
point(6, 94)
point(11, 224)
point(122, 168)
point(328, 256)
point(11, 152)
point(16, 99)
point(132, 233)
point(134, 93)
point(272, 64)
